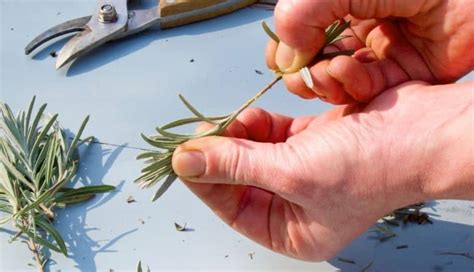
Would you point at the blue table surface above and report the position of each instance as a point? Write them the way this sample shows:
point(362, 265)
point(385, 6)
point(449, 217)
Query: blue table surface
point(131, 86)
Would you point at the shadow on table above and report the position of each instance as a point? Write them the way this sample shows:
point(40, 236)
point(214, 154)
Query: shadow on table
point(118, 49)
point(430, 247)
point(71, 222)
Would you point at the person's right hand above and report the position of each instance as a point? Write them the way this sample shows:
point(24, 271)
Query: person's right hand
point(395, 41)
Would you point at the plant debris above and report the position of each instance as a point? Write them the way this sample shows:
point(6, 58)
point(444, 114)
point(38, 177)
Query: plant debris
point(366, 268)
point(402, 246)
point(130, 199)
point(469, 255)
point(258, 72)
point(384, 232)
point(346, 260)
point(37, 161)
point(405, 215)
point(409, 214)
point(180, 227)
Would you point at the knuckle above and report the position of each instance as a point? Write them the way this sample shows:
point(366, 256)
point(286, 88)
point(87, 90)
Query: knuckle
point(287, 174)
point(231, 166)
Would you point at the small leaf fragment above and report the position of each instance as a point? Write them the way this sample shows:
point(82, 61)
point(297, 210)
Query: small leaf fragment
point(180, 227)
point(346, 260)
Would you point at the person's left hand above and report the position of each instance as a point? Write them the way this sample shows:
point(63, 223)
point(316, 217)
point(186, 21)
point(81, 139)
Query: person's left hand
point(306, 187)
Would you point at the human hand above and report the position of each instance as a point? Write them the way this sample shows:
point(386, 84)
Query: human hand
point(306, 187)
point(395, 42)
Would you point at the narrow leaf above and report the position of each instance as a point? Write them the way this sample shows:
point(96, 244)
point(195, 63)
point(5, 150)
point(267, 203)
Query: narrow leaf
point(75, 141)
point(97, 189)
point(269, 32)
point(194, 110)
point(53, 233)
point(16, 173)
point(70, 200)
point(28, 114)
point(37, 239)
point(164, 187)
point(41, 136)
point(34, 125)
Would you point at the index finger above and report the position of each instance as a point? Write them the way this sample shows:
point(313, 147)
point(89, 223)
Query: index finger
point(301, 24)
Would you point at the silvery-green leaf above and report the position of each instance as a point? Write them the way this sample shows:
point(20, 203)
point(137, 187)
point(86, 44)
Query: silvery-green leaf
point(149, 154)
point(269, 32)
point(16, 173)
point(73, 146)
point(28, 114)
point(190, 120)
point(34, 127)
point(194, 110)
point(164, 187)
point(41, 137)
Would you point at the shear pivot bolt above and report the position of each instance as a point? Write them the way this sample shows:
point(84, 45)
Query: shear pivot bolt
point(107, 14)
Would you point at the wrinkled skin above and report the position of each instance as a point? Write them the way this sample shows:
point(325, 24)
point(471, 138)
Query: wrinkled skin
point(306, 187)
point(429, 40)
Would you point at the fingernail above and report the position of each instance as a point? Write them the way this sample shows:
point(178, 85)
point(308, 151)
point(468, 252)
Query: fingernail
point(285, 56)
point(189, 164)
point(305, 73)
point(290, 60)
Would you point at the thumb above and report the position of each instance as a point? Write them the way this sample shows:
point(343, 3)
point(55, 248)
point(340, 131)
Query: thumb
point(233, 161)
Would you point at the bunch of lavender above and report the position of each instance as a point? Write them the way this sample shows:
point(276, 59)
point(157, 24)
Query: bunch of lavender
point(37, 160)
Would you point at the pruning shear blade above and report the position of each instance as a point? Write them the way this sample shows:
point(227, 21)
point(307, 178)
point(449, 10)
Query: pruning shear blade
point(113, 20)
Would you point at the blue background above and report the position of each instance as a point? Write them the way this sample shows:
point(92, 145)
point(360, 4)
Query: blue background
point(131, 86)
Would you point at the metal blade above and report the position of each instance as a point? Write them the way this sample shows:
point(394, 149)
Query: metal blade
point(56, 31)
point(79, 45)
point(96, 32)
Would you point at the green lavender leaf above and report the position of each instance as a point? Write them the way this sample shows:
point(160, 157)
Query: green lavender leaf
point(164, 187)
point(53, 233)
point(269, 32)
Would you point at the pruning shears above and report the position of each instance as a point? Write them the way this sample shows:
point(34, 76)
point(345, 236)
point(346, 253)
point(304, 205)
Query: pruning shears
point(114, 19)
